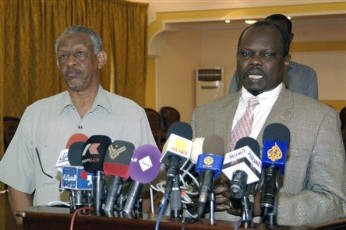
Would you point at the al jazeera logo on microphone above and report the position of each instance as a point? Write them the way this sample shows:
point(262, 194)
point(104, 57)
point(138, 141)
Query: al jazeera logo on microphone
point(274, 153)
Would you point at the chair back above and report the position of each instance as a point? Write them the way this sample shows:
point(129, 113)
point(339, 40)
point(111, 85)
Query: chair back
point(154, 119)
point(169, 115)
point(9, 128)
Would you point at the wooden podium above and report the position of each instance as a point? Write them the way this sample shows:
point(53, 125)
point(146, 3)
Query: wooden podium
point(52, 218)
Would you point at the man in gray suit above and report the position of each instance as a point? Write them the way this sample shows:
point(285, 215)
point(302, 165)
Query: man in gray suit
point(298, 78)
point(313, 189)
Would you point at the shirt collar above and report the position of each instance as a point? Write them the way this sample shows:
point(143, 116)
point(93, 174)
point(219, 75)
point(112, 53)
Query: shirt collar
point(101, 100)
point(268, 95)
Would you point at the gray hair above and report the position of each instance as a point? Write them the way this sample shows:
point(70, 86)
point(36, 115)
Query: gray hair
point(97, 41)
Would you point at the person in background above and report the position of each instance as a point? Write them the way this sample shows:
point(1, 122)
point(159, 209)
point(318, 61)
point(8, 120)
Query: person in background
point(343, 124)
point(298, 78)
point(313, 189)
point(10, 125)
point(47, 124)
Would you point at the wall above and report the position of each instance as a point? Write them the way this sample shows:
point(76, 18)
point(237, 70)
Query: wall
point(176, 69)
point(327, 60)
point(188, 47)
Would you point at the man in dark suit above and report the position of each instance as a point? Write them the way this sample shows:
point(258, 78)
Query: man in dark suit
point(313, 189)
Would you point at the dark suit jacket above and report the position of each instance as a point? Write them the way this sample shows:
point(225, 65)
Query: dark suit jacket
point(314, 186)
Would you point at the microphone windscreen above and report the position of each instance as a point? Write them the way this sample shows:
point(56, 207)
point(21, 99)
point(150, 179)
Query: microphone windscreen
point(94, 152)
point(197, 149)
point(178, 145)
point(118, 158)
point(63, 159)
point(214, 144)
point(276, 141)
point(77, 137)
point(212, 156)
point(277, 132)
point(245, 157)
point(180, 128)
point(74, 153)
point(248, 141)
point(145, 164)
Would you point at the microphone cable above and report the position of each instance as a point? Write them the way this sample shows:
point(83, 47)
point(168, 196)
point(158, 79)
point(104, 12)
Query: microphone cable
point(187, 190)
point(162, 209)
point(76, 212)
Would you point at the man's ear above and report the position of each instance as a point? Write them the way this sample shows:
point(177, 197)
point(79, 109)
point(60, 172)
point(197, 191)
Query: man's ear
point(287, 61)
point(291, 35)
point(101, 58)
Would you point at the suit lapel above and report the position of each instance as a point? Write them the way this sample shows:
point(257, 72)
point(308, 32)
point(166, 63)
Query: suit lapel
point(224, 123)
point(281, 111)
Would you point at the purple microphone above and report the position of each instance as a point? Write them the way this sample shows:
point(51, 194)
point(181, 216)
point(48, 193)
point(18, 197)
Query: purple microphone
point(144, 168)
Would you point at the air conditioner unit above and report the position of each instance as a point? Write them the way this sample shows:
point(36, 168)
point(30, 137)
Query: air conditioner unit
point(209, 84)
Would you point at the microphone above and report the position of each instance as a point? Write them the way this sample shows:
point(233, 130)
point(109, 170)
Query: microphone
point(77, 137)
point(144, 168)
point(209, 165)
point(81, 192)
point(116, 165)
point(63, 156)
point(176, 151)
point(276, 141)
point(72, 179)
point(245, 158)
point(74, 154)
point(92, 160)
point(196, 150)
point(79, 183)
point(243, 167)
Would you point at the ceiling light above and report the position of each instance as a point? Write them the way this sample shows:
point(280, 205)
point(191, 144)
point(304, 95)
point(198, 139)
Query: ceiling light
point(250, 21)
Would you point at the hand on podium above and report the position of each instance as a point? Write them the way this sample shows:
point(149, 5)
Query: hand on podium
point(223, 199)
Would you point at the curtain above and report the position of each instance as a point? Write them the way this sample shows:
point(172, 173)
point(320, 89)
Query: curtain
point(27, 57)
point(2, 24)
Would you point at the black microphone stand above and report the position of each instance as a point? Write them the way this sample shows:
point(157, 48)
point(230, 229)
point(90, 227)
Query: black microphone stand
point(270, 200)
point(270, 218)
point(176, 207)
point(239, 191)
point(247, 211)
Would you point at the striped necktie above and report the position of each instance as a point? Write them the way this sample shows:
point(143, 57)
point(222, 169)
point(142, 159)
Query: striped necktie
point(244, 125)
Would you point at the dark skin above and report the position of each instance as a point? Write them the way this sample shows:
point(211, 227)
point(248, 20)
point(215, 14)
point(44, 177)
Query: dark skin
point(260, 61)
point(261, 65)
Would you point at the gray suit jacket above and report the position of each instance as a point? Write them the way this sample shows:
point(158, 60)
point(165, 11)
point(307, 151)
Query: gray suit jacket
point(314, 186)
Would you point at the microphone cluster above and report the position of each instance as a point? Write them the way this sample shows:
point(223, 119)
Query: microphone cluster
point(96, 170)
point(109, 176)
point(246, 168)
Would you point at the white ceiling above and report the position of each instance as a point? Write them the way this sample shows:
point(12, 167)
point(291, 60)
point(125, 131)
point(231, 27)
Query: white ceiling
point(156, 6)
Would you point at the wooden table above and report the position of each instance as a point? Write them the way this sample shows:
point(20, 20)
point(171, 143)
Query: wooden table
point(52, 218)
